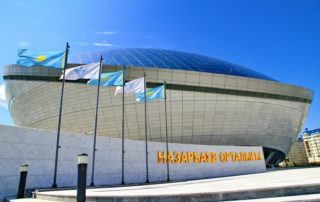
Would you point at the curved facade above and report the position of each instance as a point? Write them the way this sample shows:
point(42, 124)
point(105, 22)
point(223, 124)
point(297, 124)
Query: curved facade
point(209, 101)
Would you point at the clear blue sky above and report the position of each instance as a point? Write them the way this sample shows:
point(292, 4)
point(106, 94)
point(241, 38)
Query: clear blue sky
point(280, 38)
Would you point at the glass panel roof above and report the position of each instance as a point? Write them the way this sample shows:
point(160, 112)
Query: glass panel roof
point(168, 59)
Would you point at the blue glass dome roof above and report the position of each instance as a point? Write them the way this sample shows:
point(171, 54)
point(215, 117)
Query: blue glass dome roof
point(153, 58)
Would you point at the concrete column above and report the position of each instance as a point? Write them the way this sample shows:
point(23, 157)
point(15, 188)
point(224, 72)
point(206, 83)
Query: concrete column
point(269, 158)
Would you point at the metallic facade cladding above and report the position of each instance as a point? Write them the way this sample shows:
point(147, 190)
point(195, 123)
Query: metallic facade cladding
point(179, 87)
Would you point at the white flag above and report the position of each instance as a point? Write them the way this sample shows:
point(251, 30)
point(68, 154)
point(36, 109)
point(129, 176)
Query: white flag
point(134, 86)
point(3, 100)
point(89, 71)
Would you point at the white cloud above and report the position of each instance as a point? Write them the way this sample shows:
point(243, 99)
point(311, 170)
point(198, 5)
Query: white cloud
point(104, 43)
point(3, 100)
point(24, 43)
point(107, 33)
point(82, 43)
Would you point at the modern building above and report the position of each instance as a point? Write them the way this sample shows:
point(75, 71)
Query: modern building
point(210, 102)
point(297, 155)
point(311, 139)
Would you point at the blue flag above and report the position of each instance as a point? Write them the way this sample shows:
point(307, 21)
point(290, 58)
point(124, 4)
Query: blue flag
point(49, 59)
point(109, 79)
point(152, 94)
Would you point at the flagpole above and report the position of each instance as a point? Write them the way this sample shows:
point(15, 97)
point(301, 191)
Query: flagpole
point(96, 125)
point(122, 137)
point(145, 126)
point(54, 185)
point(165, 112)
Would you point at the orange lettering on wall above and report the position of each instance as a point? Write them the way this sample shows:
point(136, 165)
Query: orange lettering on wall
point(190, 157)
point(177, 156)
point(170, 157)
point(162, 158)
point(223, 157)
point(208, 157)
point(213, 157)
point(203, 158)
point(184, 157)
point(258, 156)
point(196, 157)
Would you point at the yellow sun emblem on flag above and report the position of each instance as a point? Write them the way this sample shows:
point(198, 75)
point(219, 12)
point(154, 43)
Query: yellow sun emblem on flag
point(150, 93)
point(41, 58)
point(105, 78)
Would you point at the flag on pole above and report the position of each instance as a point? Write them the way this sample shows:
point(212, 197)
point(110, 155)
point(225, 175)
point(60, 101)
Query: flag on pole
point(3, 99)
point(134, 86)
point(49, 58)
point(109, 79)
point(152, 94)
point(88, 71)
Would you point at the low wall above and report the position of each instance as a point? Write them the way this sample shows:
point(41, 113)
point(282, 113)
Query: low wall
point(37, 149)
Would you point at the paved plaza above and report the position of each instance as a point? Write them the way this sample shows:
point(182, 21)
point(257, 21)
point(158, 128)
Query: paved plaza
point(273, 181)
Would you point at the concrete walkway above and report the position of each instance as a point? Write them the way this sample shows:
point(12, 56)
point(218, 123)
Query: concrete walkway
point(304, 198)
point(270, 184)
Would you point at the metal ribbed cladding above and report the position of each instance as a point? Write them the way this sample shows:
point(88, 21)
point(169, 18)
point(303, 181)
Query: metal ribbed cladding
point(201, 89)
